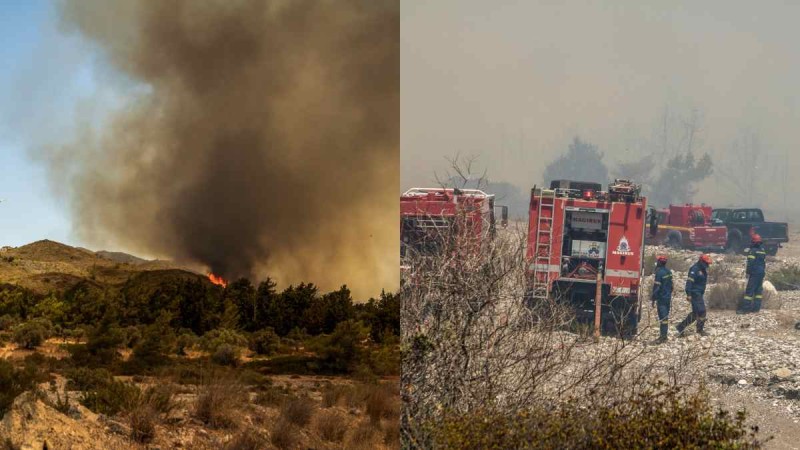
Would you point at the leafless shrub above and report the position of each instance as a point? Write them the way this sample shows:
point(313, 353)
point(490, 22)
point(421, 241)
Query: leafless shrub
point(363, 436)
point(284, 435)
point(218, 400)
point(381, 403)
point(333, 394)
point(331, 426)
point(474, 344)
point(143, 420)
point(247, 439)
point(728, 295)
point(298, 411)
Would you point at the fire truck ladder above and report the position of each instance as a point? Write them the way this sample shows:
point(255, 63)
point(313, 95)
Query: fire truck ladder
point(544, 243)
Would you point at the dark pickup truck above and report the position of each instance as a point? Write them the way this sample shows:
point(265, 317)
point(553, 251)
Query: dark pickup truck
point(742, 222)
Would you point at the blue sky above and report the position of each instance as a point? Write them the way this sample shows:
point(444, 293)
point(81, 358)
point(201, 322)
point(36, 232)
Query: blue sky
point(43, 75)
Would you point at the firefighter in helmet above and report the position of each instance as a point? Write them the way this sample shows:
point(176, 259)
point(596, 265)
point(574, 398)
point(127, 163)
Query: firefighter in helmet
point(662, 295)
point(695, 289)
point(756, 269)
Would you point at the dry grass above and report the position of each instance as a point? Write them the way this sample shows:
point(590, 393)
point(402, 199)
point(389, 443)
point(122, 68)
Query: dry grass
point(727, 295)
point(332, 395)
point(298, 411)
point(391, 433)
point(331, 426)
point(247, 439)
point(363, 436)
point(284, 435)
point(143, 420)
point(218, 401)
point(382, 403)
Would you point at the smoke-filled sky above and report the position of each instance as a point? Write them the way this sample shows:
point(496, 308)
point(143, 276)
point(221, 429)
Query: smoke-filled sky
point(511, 82)
point(255, 137)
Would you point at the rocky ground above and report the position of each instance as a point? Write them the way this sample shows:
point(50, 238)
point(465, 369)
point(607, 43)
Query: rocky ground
point(752, 361)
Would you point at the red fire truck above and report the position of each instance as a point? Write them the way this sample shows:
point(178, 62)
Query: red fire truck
point(585, 248)
point(430, 215)
point(686, 226)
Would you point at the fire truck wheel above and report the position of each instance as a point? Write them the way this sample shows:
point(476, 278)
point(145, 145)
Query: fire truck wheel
point(674, 239)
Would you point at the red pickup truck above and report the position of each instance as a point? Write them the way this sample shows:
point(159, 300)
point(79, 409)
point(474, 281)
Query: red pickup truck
point(686, 226)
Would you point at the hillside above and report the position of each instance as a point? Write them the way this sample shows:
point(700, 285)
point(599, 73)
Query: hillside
point(46, 266)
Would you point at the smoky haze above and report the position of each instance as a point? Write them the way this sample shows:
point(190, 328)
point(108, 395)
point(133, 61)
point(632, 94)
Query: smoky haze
point(513, 82)
point(260, 138)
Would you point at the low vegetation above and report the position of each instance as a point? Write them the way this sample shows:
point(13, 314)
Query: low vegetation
point(656, 418)
point(786, 278)
point(140, 351)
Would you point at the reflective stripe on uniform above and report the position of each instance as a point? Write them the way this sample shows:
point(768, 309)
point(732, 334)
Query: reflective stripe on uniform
point(665, 321)
point(656, 282)
point(751, 257)
point(667, 276)
point(691, 278)
point(748, 298)
point(759, 296)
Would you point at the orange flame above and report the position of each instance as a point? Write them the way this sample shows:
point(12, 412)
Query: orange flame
point(218, 280)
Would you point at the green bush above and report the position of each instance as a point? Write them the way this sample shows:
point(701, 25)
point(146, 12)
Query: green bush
point(7, 322)
point(154, 347)
point(32, 333)
point(226, 355)
point(265, 342)
point(186, 340)
point(343, 350)
point(214, 338)
point(101, 392)
point(14, 381)
point(653, 419)
point(786, 278)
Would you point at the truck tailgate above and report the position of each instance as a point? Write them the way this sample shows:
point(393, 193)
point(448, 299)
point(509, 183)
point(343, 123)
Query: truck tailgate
point(773, 231)
point(710, 236)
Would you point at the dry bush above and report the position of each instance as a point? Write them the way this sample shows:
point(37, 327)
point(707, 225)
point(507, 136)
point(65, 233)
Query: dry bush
point(722, 272)
point(142, 419)
point(391, 434)
point(331, 426)
point(218, 400)
point(271, 396)
point(298, 411)
point(247, 439)
point(381, 403)
point(473, 344)
point(786, 278)
point(284, 435)
point(363, 436)
point(333, 394)
point(729, 294)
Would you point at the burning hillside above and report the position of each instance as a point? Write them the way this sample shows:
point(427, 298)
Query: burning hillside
point(259, 137)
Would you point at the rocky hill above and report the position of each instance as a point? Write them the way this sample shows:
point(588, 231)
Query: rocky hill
point(45, 266)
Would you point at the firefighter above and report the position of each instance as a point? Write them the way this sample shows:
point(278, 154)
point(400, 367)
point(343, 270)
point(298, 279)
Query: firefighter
point(695, 289)
point(756, 269)
point(662, 295)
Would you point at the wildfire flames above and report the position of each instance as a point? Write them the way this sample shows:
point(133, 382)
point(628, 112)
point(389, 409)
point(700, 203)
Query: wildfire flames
point(217, 280)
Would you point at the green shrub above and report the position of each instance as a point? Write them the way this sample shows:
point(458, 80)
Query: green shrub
point(32, 333)
point(265, 342)
point(344, 349)
point(154, 347)
point(667, 419)
point(214, 338)
point(786, 278)
point(226, 355)
point(7, 321)
point(109, 396)
point(186, 340)
point(13, 382)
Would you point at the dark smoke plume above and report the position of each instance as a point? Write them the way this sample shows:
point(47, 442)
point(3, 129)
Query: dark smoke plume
point(262, 138)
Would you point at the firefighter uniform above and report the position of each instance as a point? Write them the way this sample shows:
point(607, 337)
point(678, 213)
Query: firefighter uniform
point(756, 269)
point(662, 297)
point(695, 289)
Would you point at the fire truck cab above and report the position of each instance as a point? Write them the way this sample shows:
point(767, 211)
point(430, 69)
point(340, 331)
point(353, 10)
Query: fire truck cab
point(581, 238)
point(429, 215)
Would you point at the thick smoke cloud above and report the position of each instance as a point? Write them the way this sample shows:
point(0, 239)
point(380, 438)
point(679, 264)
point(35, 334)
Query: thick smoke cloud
point(261, 137)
